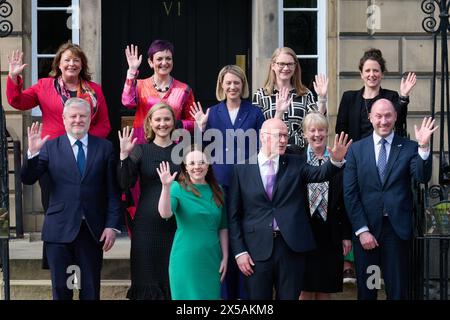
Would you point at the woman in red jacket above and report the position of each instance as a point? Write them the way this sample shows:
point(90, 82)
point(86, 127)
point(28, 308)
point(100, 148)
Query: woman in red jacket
point(70, 77)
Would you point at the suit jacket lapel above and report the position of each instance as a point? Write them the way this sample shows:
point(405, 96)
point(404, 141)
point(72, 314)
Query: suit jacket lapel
point(282, 165)
point(68, 152)
point(258, 179)
point(370, 158)
point(91, 154)
point(241, 116)
point(393, 155)
point(356, 114)
point(224, 115)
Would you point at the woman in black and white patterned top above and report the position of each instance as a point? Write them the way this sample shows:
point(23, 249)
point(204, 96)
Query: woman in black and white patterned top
point(285, 97)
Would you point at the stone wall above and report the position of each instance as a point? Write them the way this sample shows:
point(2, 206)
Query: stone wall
point(405, 45)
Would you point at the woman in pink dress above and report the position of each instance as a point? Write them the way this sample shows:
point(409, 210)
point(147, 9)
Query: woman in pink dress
point(143, 94)
point(160, 87)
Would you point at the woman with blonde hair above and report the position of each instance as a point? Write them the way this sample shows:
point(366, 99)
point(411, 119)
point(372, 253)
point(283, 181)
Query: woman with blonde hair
point(232, 113)
point(152, 237)
point(328, 218)
point(285, 97)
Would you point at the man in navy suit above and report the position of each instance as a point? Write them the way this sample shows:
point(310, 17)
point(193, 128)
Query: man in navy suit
point(269, 228)
point(84, 211)
point(378, 199)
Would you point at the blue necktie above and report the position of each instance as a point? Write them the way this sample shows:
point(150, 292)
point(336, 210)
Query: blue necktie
point(81, 157)
point(382, 160)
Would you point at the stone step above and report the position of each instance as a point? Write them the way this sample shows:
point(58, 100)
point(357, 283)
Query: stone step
point(26, 260)
point(31, 269)
point(41, 290)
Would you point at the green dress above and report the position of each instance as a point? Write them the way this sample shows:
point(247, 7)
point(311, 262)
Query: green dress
point(196, 253)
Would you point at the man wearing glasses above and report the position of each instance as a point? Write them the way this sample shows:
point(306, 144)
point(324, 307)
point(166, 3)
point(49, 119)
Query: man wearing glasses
point(269, 228)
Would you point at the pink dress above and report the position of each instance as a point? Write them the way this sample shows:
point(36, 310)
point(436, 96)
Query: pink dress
point(142, 95)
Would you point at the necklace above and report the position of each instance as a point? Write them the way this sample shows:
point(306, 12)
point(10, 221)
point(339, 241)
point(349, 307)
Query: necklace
point(158, 88)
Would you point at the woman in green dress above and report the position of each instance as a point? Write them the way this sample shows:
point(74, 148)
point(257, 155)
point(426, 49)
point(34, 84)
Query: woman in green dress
point(199, 255)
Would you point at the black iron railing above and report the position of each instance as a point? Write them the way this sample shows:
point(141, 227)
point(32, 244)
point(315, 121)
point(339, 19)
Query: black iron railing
point(6, 28)
point(432, 204)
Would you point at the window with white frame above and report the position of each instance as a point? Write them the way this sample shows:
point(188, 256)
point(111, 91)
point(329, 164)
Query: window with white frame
point(302, 27)
point(53, 22)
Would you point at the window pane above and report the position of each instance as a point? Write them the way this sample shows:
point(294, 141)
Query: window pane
point(300, 32)
point(54, 3)
point(44, 67)
point(300, 3)
point(309, 70)
point(52, 30)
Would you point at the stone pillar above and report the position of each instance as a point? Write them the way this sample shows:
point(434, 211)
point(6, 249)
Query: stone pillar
point(90, 35)
point(332, 62)
point(264, 38)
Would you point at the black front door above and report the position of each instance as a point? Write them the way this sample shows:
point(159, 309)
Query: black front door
point(207, 35)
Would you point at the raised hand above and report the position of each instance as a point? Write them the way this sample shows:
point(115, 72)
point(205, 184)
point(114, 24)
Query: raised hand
point(200, 117)
point(127, 143)
point(164, 174)
point(340, 147)
point(16, 64)
point(35, 142)
point(282, 102)
point(406, 84)
point(321, 85)
point(423, 134)
point(133, 58)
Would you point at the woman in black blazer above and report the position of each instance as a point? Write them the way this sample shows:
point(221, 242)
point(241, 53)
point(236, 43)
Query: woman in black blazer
point(353, 113)
point(329, 222)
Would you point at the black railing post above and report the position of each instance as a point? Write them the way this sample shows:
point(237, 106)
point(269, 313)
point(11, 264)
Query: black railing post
point(5, 30)
point(439, 30)
point(4, 203)
point(18, 188)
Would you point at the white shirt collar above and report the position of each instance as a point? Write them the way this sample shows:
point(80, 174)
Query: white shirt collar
point(263, 159)
point(377, 138)
point(83, 140)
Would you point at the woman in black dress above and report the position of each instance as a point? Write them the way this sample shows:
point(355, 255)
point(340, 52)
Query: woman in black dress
point(329, 222)
point(152, 236)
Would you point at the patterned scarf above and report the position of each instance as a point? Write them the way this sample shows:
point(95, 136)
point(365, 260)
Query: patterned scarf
point(318, 192)
point(84, 91)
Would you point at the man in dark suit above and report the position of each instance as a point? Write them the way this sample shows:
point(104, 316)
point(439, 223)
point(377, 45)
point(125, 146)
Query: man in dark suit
point(269, 228)
point(84, 211)
point(378, 199)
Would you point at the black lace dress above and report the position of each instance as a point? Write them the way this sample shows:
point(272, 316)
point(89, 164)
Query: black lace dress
point(152, 236)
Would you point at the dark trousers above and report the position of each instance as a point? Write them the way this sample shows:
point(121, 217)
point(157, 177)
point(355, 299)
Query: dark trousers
point(83, 254)
point(283, 271)
point(233, 287)
point(391, 257)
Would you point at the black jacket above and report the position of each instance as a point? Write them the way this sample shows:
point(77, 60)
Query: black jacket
point(348, 117)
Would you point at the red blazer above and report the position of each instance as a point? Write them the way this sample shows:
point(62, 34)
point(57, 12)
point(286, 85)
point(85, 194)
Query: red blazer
point(44, 94)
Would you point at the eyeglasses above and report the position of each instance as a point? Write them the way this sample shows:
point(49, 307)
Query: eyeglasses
point(198, 163)
point(281, 65)
point(278, 135)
